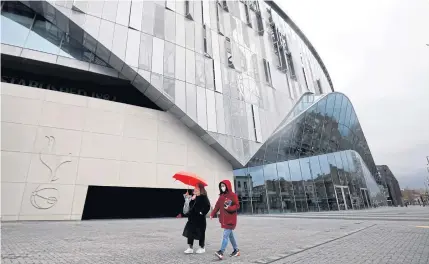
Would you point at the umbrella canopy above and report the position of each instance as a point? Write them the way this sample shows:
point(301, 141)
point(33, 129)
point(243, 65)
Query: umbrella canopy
point(189, 178)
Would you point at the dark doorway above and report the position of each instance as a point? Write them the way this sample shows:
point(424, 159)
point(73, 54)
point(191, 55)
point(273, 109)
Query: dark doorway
point(104, 202)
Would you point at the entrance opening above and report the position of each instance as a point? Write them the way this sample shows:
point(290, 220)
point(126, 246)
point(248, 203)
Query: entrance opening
point(343, 197)
point(103, 202)
point(365, 197)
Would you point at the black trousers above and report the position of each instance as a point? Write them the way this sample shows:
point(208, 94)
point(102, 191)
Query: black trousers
point(200, 242)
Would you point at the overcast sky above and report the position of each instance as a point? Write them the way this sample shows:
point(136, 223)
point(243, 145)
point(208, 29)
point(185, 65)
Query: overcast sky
point(376, 53)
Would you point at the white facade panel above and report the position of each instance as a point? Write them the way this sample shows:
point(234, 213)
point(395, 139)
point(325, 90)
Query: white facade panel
point(112, 148)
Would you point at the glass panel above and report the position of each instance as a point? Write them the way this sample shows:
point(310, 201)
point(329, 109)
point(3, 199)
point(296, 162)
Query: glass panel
point(209, 73)
point(170, 26)
point(145, 58)
point(220, 114)
point(180, 30)
point(319, 183)
point(169, 56)
point(158, 28)
point(180, 95)
point(191, 101)
point(243, 188)
point(157, 81)
point(123, 13)
point(250, 123)
point(206, 13)
point(340, 169)
point(222, 50)
point(135, 15)
point(337, 107)
point(190, 66)
point(344, 110)
point(148, 19)
point(202, 107)
point(258, 191)
point(200, 73)
point(211, 111)
point(199, 38)
point(157, 58)
point(133, 46)
point(227, 111)
point(119, 45)
point(329, 185)
point(340, 198)
point(44, 36)
point(334, 169)
point(286, 188)
point(298, 186)
point(73, 49)
point(309, 188)
point(109, 10)
point(180, 70)
point(256, 119)
point(348, 198)
point(190, 34)
point(272, 184)
point(169, 89)
point(16, 21)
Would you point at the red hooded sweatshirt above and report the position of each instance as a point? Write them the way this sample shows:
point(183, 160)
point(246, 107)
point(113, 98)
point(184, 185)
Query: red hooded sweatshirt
point(227, 217)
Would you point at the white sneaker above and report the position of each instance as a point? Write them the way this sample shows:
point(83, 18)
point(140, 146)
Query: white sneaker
point(189, 251)
point(201, 251)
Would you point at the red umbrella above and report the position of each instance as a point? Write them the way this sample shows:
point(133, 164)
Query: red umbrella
point(189, 178)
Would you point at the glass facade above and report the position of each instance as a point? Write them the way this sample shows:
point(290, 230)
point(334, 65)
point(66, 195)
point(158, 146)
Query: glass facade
point(22, 27)
point(317, 160)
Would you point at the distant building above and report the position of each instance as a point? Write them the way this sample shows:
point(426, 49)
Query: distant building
point(394, 192)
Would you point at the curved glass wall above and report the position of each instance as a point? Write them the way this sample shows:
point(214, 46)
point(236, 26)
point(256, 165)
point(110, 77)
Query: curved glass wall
point(317, 160)
point(22, 27)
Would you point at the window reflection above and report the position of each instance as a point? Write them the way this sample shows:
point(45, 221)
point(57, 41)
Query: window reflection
point(272, 184)
point(298, 186)
point(309, 188)
point(286, 188)
point(44, 36)
point(258, 191)
point(16, 21)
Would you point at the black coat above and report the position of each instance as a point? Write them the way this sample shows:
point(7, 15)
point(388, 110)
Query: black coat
point(196, 225)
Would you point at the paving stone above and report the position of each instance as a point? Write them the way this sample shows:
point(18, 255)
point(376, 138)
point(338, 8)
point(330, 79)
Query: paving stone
point(263, 239)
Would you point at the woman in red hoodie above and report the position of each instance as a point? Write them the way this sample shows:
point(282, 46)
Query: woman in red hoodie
point(228, 205)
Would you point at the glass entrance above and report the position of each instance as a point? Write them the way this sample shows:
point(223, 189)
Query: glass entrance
point(365, 197)
point(344, 200)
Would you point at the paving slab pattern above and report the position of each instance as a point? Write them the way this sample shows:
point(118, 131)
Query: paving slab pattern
point(261, 240)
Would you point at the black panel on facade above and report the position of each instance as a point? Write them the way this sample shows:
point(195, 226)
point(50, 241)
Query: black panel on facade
point(104, 202)
point(59, 78)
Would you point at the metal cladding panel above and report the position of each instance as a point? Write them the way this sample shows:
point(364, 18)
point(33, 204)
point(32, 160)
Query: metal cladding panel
point(202, 60)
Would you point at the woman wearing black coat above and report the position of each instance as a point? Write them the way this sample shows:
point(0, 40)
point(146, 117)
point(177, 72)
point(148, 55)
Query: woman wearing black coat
point(195, 228)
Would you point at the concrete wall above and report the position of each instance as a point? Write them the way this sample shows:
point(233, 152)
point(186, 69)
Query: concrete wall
point(55, 144)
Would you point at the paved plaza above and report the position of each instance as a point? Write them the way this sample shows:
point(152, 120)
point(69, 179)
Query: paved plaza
point(336, 238)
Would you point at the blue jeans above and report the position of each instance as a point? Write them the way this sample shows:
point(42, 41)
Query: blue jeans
point(228, 235)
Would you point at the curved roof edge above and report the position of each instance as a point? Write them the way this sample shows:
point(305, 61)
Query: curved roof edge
point(276, 8)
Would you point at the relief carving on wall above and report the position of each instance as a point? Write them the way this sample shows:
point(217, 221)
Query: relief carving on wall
point(45, 196)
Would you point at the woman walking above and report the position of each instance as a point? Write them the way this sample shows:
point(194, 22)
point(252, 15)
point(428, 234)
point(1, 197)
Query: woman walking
point(195, 228)
point(228, 205)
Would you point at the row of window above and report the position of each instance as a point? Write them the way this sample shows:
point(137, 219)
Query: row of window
point(308, 184)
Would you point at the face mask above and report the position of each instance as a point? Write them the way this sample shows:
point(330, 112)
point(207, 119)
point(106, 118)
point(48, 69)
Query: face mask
point(223, 188)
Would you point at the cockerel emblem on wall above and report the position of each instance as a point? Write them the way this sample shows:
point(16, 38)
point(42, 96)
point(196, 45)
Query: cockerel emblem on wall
point(45, 196)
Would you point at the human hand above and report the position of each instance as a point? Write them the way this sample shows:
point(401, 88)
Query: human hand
point(211, 217)
point(193, 197)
